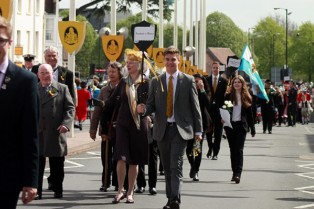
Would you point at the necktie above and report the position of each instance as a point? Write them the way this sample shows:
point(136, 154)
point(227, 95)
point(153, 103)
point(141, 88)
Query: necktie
point(215, 84)
point(170, 98)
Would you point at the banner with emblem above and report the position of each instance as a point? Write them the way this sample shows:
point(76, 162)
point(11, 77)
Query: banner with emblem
point(192, 70)
point(72, 35)
point(112, 46)
point(184, 66)
point(158, 57)
point(6, 8)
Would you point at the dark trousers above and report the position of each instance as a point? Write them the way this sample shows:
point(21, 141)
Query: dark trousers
point(292, 111)
point(217, 131)
point(280, 113)
point(236, 138)
point(152, 168)
point(267, 117)
point(56, 173)
point(195, 161)
point(112, 164)
point(8, 200)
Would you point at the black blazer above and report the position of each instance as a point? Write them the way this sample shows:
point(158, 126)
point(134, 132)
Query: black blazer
point(19, 110)
point(65, 76)
point(219, 97)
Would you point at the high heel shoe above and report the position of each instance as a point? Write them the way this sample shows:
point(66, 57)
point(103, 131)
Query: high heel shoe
point(118, 198)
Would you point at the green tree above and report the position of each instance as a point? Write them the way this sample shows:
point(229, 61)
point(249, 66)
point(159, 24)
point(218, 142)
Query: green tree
point(268, 45)
point(221, 31)
point(302, 52)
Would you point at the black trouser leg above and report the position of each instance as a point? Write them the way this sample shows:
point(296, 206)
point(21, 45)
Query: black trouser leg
point(8, 200)
point(57, 171)
point(140, 180)
point(42, 164)
point(152, 164)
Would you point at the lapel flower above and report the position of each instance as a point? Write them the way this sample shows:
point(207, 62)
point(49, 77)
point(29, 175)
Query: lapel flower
point(4, 86)
point(7, 79)
point(63, 75)
point(52, 91)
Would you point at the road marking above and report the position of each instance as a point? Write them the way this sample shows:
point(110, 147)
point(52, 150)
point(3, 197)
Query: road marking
point(93, 153)
point(308, 130)
point(76, 165)
point(310, 175)
point(305, 206)
point(83, 158)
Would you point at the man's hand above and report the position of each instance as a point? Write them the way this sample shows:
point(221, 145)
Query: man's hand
point(28, 194)
point(140, 108)
point(198, 137)
point(62, 129)
point(92, 135)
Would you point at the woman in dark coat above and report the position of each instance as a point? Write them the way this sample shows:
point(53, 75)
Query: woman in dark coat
point(242, 120)
point(194, 149)
point(131, 129)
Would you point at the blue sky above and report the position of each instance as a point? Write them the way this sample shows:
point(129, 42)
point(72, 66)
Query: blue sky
point(244, 13)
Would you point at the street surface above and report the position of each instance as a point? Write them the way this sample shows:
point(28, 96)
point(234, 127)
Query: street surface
point(278, 174)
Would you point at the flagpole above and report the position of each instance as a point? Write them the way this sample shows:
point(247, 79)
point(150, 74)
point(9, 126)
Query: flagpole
point(175, 29)
point(113, 17)
point(161, 24)
point(191, 29)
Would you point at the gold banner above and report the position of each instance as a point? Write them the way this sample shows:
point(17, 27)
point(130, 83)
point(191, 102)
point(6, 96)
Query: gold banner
point(6, 9)
point(72, 35)
point(192, 70)
point(112, 46)
point(158, 57)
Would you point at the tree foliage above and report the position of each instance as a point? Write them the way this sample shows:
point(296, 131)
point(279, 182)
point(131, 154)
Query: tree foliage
point(221, 31)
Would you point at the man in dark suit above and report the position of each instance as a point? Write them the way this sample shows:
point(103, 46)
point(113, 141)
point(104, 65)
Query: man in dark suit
point(56, 117)
point(292, 104)
point(173, 97)
point(19, 110)
point(218, 87)
point(60, 74)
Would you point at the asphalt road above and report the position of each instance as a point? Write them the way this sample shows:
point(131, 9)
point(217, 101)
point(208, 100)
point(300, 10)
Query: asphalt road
point(278, 174)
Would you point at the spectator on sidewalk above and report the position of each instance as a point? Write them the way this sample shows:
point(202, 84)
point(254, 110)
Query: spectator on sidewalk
point(83, 98)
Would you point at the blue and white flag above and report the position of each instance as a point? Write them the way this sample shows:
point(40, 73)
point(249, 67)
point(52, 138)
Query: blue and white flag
point(247, 65)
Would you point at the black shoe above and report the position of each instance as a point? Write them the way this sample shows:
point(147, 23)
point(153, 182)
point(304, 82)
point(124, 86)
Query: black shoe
point(233, 178)
point(237, 179)
point(264, 132)
point(174, 205)
point(38, 197)
point(76, 126)
point(167, 206)
point(209, 153)
point(80, 127)
point(58, 195)
point(195, 178)
point(269, 132)
point(116, 188)
point(152, 191)
point(140, 190)
point(215, 157)
point(103, 189)
point(162, 173)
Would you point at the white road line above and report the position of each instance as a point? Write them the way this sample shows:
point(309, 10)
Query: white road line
point(76, 165)
point(305, 206)
point(308, 130)
point(93, 153)
point(83, 158)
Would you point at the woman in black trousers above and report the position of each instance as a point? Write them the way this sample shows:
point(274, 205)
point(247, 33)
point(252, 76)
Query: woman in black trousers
point(242, 121)
point(204, 100)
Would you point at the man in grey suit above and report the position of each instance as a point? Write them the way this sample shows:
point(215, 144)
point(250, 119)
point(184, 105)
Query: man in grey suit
point(55, 120)
point(177, 119)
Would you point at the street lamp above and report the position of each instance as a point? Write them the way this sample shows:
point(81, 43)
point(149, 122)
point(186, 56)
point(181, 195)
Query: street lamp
point(310, 43)
point(287, 13)
point(248, 39)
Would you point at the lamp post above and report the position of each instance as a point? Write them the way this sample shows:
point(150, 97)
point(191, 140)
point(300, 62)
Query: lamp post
point(287, 13)
point(311, 44)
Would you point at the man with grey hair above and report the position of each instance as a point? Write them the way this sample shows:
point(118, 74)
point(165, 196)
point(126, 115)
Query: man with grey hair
point(56, 117)
point(60, 74)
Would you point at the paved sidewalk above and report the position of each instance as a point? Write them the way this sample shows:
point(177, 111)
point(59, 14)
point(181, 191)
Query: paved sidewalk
point(81, 141)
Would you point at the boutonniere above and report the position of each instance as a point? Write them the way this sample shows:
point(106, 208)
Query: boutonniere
point(7, 79)
point(63, 75)
point(52, 91)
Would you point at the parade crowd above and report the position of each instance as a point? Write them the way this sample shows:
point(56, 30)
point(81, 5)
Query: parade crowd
point(140, 116)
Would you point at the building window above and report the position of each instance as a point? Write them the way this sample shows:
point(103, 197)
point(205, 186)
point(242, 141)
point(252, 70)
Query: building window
point(18, 38)
point(37, 6)
point(29, 7)
point(19, 6)
point(28, 39)
point(49, 30)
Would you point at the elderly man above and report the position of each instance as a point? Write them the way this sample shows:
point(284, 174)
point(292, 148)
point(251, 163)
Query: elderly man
point(56, 117)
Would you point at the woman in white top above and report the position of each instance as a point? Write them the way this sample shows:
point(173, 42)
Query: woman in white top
point(241, 120)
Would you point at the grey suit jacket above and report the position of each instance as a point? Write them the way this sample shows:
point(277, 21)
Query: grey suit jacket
point(56, 109)
point(186, 107)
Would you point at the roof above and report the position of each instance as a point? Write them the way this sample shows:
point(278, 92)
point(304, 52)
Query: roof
point(219, 54)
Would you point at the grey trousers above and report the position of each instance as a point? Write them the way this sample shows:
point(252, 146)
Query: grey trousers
point(172, 149)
